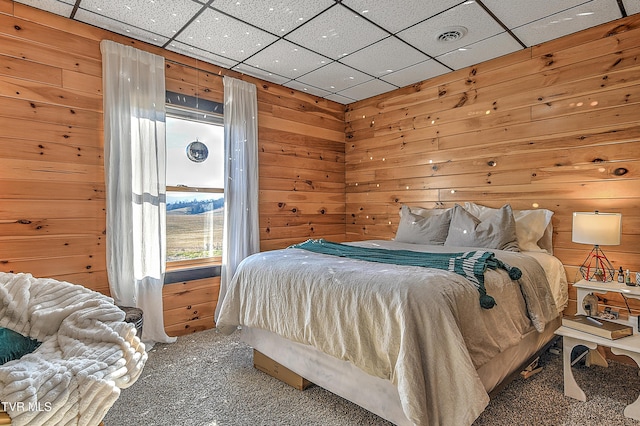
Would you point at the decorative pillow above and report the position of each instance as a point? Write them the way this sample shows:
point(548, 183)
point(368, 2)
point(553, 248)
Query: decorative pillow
point(533, 227)
point(14, 345)
point(497, 231)
point(417, 229)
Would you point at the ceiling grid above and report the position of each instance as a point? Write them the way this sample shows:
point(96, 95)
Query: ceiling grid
point(342, 50)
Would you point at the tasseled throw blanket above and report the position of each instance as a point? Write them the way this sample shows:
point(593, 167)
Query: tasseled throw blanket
point(472, 264)
point(88, 353)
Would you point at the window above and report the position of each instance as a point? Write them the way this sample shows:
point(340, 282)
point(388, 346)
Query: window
point(195, 187)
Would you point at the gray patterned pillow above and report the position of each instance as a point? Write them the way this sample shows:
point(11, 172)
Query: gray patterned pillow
point(498, 231)
point(417, 229)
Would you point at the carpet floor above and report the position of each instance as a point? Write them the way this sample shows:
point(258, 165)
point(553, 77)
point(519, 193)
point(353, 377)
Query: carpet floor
point(208, 379)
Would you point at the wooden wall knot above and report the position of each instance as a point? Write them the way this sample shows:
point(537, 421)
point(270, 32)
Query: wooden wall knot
point(462, 100)
point(617, 30)
point(24, 221)
point(621, 171)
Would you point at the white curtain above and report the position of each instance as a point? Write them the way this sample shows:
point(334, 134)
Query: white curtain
point(241, 235)
point(135, 163)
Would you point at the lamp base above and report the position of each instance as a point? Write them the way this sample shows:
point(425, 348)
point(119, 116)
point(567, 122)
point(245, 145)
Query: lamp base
point(596, 267)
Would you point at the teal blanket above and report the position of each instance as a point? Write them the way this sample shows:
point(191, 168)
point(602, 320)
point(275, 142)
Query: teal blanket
point(471, 265)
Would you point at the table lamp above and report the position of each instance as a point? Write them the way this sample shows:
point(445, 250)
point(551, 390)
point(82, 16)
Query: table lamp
point(598, 229)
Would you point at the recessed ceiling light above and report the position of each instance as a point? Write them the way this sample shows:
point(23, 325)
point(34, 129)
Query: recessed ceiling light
point(451, 34)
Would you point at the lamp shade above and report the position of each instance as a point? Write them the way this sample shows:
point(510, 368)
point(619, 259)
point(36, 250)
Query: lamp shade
point(597, 228)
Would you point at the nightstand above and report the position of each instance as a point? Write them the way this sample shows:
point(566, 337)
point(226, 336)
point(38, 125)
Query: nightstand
point(585, 287)
point(629, 346)
point(571, 338)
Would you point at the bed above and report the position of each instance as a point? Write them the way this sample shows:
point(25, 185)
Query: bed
point(412, 344)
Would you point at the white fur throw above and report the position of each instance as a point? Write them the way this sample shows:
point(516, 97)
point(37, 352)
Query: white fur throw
point(88, 352)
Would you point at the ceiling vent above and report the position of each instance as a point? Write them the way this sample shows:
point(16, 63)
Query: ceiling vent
point(451, 34)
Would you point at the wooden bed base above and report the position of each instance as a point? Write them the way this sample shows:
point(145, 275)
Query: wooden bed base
point(280, 372)
point(381, 397)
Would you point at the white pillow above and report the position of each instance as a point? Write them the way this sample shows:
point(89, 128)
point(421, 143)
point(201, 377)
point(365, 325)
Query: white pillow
point(533, 227)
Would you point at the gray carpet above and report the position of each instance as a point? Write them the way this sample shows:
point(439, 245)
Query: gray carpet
point(207, 379)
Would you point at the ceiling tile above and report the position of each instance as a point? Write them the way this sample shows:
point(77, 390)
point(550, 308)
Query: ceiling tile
point(569, 21)
point(159, 17)
point(419, 72)
point(63, 8)
point(384, 57)
point(631, 6)
point(334, 77)
point(339, 98)
point(307, 88)
point(399, 14)
point(514, 13)
point(276, 16)
point(473, 18)
point(225, 36)
point(265, 75)
point(194, 52)
point(336, 33)
point(484, 50)
point(287, 59)
point(367, 89)
point(120, 27)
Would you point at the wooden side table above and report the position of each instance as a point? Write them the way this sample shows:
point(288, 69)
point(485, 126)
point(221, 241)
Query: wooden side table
point(629, 346)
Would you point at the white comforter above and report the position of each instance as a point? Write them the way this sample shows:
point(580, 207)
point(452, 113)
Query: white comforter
point(88, 353)
point(423, 329)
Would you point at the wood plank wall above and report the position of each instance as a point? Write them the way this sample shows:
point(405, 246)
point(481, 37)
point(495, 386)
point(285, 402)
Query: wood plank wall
point(558, 120)
point(52, 195)
point(555, 126)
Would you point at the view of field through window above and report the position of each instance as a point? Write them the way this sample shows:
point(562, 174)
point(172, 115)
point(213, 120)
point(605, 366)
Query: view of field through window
point(195, 211)
point(194, 225)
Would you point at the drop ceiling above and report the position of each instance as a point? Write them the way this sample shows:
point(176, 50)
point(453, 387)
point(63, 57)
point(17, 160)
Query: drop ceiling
point(342, 50)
